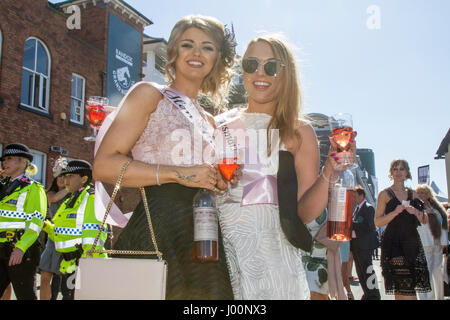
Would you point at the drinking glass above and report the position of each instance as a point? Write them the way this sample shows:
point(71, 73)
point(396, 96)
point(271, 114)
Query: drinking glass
point(341, 126)
point(227, 166)
point(96, 113)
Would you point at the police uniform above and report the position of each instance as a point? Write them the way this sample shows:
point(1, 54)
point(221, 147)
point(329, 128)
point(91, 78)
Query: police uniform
point(23, 206)
point(75, 226)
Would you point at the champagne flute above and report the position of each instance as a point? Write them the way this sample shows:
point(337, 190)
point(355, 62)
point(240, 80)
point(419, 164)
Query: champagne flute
point(341, 126)
point(227, 166)
point(96, 111)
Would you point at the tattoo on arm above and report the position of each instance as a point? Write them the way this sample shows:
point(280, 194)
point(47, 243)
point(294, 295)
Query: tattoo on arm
point(190, 178)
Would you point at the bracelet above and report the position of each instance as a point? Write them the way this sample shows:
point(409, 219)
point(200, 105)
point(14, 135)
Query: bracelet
point(325, 178)
point(157, 175)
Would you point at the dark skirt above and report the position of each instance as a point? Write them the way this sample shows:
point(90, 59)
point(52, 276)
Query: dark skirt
point(171, 214)
point(403, 261)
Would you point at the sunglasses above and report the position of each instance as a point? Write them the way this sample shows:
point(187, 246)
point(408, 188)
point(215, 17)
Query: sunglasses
point(250, 65)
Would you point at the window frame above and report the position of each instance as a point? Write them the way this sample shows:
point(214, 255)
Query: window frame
point(43, 170)
point(81, 122)
point(40, 108)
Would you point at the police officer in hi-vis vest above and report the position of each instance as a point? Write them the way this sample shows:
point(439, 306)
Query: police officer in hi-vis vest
point(23, 206)
point(74, 226)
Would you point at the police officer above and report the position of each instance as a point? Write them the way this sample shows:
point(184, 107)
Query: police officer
point(75, 226)
point(23, 206)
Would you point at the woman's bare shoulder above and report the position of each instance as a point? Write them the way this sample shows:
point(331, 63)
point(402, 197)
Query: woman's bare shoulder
point(143, 97)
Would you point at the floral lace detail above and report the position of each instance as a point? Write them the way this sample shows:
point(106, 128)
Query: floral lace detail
point(168, 137)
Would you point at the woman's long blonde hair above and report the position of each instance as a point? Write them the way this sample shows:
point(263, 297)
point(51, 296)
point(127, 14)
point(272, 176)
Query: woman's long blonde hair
point(435, 204)
point(288, 106)
point(216, 83)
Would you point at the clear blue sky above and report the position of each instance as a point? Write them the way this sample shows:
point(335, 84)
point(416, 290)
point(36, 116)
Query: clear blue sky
point(395, 81)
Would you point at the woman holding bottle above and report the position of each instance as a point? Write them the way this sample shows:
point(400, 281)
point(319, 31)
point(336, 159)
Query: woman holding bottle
point(262, 263)
point(165, 160)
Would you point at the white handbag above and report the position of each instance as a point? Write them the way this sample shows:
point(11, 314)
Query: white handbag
point(122, 278)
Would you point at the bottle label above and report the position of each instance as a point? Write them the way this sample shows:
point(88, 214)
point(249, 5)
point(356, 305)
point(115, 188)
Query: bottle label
point(336, 204)
point(206, 224)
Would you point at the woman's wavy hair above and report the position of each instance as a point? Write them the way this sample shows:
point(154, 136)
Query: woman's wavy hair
point(289, 101)
point(395, 163)
point(216, 83)
point(435, 226)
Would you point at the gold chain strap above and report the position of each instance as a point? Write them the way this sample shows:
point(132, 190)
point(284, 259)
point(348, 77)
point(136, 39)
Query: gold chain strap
point(149, 221)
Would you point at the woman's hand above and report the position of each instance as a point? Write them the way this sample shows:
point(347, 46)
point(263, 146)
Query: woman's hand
point(336, 158)
point(201, 176)
point(16, 257)
point(222, 183)
point(399, 209)
point(412, 210)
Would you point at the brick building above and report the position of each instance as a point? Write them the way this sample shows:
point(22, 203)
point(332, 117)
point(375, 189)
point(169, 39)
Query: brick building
point(48, 68)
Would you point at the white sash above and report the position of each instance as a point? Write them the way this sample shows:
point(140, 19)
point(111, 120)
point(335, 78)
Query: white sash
point(188, 109)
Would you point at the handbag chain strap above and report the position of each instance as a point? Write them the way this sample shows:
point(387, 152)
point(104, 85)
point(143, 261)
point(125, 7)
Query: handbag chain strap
point(149, 221)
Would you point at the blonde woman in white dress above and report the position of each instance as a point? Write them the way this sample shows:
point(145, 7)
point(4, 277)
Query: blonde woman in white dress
point(262, 263)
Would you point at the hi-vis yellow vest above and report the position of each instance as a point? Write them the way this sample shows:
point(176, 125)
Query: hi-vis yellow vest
point(24, 209)
point(76, 225)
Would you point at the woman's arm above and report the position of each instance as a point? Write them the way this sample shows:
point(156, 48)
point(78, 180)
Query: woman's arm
point(312, 186)
point(125, 130)
point(380, 218)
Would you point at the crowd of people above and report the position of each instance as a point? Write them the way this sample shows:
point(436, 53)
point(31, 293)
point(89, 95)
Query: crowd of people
point(257, 259)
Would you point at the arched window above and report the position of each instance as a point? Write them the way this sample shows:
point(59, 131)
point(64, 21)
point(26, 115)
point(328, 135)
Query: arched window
point(35, 75)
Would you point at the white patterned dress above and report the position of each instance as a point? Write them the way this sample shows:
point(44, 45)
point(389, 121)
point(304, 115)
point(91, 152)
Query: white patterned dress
point(262, 263)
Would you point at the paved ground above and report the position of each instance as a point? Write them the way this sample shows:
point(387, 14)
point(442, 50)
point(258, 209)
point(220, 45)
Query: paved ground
point(356, 288)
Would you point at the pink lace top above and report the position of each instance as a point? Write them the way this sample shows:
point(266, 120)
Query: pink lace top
point(168, 138)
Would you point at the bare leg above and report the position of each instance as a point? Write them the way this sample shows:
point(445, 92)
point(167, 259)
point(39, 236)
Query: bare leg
point(7, 293)
point(401, 297)
point(46, 291)
point(318, 296)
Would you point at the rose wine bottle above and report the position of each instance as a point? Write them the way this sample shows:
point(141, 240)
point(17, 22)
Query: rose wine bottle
point(206, 227)
point(340, 208)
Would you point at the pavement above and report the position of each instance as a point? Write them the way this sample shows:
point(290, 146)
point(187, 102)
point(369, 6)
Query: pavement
point(356, 288)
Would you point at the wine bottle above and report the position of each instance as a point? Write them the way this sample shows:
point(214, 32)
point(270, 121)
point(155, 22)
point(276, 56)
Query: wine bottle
point(206, 227)
point(340, 207)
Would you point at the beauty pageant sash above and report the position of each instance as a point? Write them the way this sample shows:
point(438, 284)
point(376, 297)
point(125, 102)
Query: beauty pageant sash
point(188, 109)
point(259, 187)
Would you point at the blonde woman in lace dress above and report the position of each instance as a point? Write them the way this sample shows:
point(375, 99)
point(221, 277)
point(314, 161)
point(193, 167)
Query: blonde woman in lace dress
point(262, 263)
point(149, 126)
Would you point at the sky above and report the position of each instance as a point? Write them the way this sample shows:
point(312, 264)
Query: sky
point(386, 62)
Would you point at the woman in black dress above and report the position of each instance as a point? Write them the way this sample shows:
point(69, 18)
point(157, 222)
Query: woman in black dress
point(403, 261)
point(200, 55)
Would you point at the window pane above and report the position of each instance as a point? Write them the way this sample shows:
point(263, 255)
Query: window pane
point(37, 84)
point(79, 88)
point(29, 54)
point(27, 81)
point(76, 111)
point(42, 60)
point(74, 85)
point(44, 93)
point(39, 161)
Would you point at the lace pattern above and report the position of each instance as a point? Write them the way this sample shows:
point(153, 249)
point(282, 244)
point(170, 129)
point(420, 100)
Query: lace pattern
point(168, 138)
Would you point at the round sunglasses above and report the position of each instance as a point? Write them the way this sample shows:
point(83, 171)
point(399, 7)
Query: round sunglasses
point(250, 65)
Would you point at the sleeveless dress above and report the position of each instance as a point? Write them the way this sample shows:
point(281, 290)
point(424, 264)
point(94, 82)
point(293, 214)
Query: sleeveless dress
point(171, 213)
point(403, 262)
point(263, 264)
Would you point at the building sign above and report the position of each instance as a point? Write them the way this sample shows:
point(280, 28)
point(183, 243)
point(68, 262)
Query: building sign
point(124, 59)
point(423, 174)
